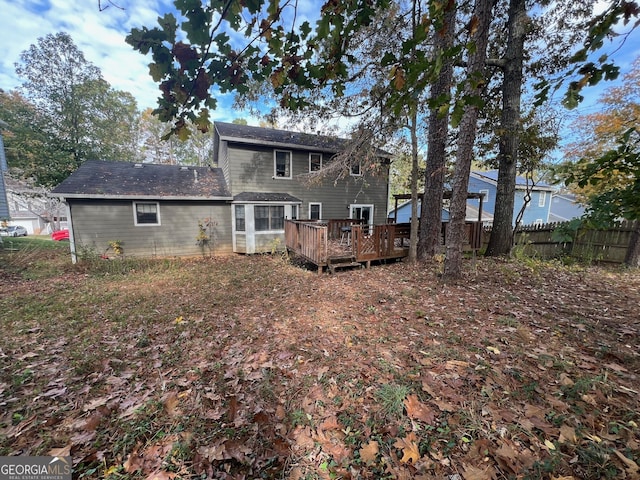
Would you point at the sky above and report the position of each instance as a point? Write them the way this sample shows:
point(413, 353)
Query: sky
point(100, 35)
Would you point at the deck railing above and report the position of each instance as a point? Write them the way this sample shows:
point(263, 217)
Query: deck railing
point(308, 239)
point(379, 242)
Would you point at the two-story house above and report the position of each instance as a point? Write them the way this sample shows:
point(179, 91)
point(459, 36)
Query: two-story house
point(259, 177)
point(536, 211)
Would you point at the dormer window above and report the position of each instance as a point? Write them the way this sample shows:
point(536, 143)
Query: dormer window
point(315, 162)
point(282, 164)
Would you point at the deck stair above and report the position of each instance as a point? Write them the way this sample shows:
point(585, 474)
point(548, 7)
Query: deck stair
point(334, 263)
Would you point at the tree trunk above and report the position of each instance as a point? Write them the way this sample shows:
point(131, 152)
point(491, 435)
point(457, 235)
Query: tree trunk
point(434, 177)
point(632, 258)
point(479, 23)
point(500, 242)
point(413, 237)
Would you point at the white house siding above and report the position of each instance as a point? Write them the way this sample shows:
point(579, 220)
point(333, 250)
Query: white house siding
point(96, 223)
point(253, 171)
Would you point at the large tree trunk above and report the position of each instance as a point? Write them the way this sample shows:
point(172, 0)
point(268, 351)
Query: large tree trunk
point(479, 24)
point(501, 239)
point(413, 238)
point(431, 210)
point(632, 258)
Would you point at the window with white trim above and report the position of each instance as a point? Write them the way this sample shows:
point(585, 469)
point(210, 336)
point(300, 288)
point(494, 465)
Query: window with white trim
point(542, 199)
point(294, 212)
point(240, 218)
point(356, 169)
point(146, 213)
point(269, 217)
point(315, 162)
point(315, 211)
point(282, 164)
point(485, 195)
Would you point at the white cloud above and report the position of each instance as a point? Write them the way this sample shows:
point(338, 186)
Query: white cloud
point(100, 35)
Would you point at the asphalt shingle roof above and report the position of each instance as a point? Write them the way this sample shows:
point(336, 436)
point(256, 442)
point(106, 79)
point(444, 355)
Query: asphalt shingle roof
point(265, 197)
point(270, 136)
point(105, 179)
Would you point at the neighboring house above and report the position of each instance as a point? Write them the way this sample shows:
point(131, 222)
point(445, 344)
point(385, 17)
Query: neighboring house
point(404, 213)
point(259, 179)
point(33, 208)
point(536, 212)
point(565, 207)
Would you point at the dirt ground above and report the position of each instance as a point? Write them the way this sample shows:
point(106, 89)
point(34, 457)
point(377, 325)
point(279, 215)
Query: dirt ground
point(253, 367)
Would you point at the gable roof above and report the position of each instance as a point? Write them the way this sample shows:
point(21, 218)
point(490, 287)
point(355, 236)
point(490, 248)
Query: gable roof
point(125, 180)
point(282, 138)
point(491, 176)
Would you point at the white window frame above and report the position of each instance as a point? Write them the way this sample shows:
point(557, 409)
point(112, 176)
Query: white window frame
point(359, 172)
point(135, 214)
point(542, 199)
point(485, 193)
point(311, 154)
point(370, 206)
point(270, 218)
point(319, 209)
point(236, 209)
point(275, 165)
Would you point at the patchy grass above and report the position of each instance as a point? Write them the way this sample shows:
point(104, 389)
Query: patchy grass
point(251, 367)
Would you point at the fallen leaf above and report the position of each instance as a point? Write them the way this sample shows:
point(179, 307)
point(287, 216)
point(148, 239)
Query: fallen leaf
point(493, 350)
point(567, 434)
point(60, 452)
point(549, 445)
point(369, 452)
point(171, 404)
point(418, 410)
point(474, 473)
point(631, 466)
point(409, 447)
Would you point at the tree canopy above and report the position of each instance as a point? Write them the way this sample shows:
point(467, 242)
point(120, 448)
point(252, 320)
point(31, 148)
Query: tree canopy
point(76, 114)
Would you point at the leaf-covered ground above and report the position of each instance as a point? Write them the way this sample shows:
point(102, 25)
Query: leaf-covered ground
point(252, 367)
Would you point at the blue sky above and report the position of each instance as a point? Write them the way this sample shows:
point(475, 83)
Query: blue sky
point(100, 35)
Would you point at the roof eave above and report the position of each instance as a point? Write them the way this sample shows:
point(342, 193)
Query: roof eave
point(93, 196)
point(269, 143)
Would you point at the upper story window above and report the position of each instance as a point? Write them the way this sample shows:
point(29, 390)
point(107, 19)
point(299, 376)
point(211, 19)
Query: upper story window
point(315, 162)
point(146, 213)
point(485, 195)
point(356, 169)
point(542, 199)
point(282, 164)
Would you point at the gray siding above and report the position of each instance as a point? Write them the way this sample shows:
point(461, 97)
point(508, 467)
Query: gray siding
point(253, 171)
point(97, 222)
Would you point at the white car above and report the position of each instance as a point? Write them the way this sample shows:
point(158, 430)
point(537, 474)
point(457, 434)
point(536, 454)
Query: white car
point(13, 231)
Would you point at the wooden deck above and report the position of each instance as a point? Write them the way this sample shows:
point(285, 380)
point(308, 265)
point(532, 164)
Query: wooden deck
point(327, 244)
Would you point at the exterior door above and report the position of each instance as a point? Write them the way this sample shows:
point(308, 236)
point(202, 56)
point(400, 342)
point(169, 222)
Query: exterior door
point(362, 212)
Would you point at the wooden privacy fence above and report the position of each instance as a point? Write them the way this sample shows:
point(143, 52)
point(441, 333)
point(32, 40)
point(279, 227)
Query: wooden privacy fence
point(608, 245)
